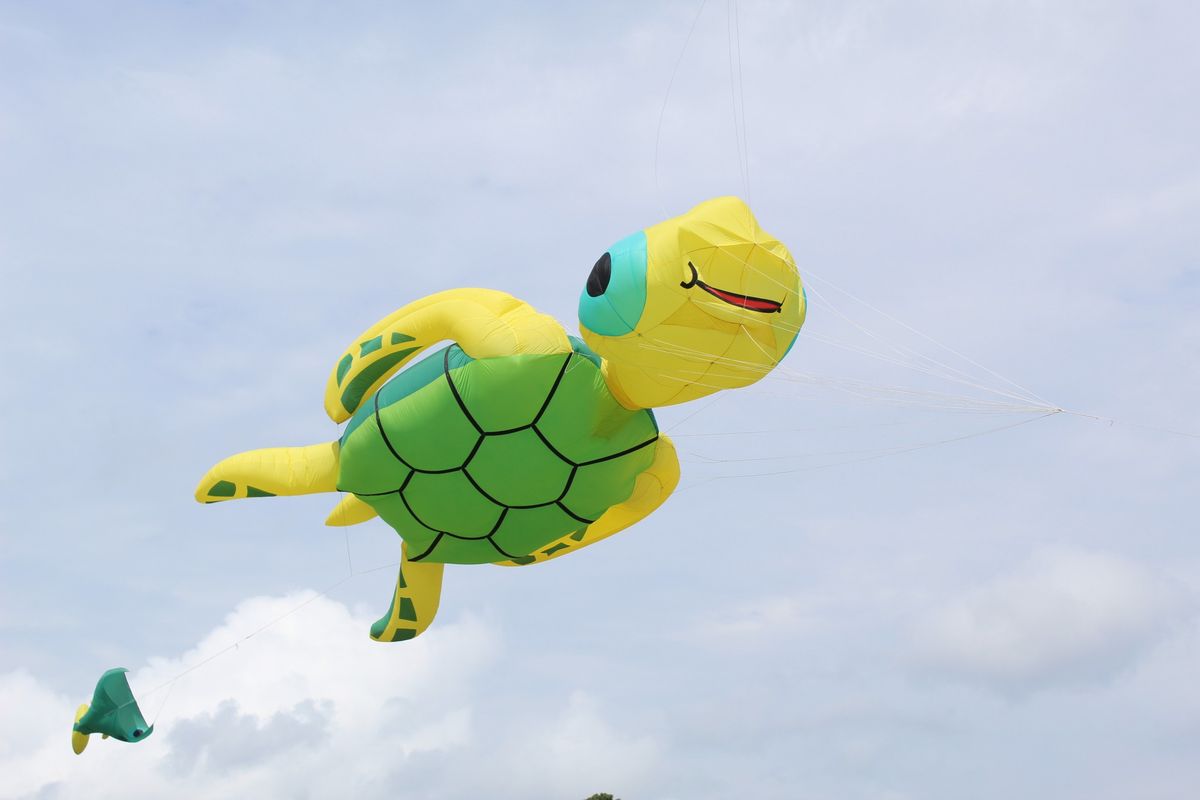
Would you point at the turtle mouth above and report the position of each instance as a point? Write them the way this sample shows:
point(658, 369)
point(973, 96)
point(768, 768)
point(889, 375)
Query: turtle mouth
point(759, 304)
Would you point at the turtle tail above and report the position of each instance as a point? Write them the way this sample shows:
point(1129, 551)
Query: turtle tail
point(270, 472)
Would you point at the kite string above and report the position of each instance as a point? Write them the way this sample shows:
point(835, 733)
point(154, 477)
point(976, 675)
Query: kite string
point(923, 335)
point(162, 703)
point(910, 449)
point(670, 84)
point(737, 27)
point(1029, 400)
point(852, 386)
point(1111, 421)
point(1024, 401)
point(1035, 402)
point(900, 395)
point(234, 645)
point(716, 396)
point(169, 684)
point(738, 120)
point(940, 369)
point(881, 451)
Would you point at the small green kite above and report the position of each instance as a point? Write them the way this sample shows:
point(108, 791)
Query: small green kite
point(113, 713)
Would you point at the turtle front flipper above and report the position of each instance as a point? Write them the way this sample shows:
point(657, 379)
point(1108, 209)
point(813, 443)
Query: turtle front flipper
point(272, 471)
point(484, 323)
point(414, 603)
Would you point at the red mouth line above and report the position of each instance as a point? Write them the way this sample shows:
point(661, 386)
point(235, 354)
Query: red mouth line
point(741, 300)
point(760, 304)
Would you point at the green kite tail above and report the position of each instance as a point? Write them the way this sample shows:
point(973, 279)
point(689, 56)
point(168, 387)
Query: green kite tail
point(113, 713)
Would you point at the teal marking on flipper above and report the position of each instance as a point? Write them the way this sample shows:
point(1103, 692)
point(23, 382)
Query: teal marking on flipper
point(344, 367)
point(254, 491)
point(370, 346)
point(399, 338)
point(416, 377)
point(353, 394)
point(380, 625)
point(407, 611)
point(222, 489)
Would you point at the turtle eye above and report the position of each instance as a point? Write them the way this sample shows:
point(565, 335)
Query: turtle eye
point(137, 732)
point(615, 295)
point(597, 282)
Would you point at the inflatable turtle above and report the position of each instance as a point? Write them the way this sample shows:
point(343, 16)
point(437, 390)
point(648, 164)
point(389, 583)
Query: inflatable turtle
point(517, 443)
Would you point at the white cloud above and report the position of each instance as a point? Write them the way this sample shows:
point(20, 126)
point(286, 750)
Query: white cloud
point(310, 706)
point(1065, 616)
point(575, 752)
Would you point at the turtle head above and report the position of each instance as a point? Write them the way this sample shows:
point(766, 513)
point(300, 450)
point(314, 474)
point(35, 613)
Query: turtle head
point(699, 303)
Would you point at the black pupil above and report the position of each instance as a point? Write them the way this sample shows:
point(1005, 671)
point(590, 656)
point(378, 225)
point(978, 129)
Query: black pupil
point(597, 283)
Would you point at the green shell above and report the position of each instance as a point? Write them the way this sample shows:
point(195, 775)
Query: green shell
point(477, 461)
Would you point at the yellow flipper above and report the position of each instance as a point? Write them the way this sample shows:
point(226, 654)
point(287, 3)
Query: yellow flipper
point(79, 740)
point(270, 472)
point(652, 489)
point(484, 323)
point(350, 511)
point(414, 603)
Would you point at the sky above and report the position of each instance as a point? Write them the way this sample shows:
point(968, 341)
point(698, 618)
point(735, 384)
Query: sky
point(886, 574)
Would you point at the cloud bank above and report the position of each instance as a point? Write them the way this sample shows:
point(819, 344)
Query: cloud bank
point(310, 707)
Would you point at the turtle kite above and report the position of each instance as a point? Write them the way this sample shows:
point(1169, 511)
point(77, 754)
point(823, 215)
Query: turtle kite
point(517, 443)
point(112, 713)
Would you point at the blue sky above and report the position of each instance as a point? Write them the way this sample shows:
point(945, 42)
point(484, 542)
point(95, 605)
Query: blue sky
point(202, 203)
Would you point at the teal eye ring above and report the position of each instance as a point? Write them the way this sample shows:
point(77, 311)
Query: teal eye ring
point(615, 295)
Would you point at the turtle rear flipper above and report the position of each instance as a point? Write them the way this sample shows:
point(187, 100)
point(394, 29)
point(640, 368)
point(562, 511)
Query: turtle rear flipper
point(270, 472)
point(350, 511)
point(414, 603)
point(651, 490)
